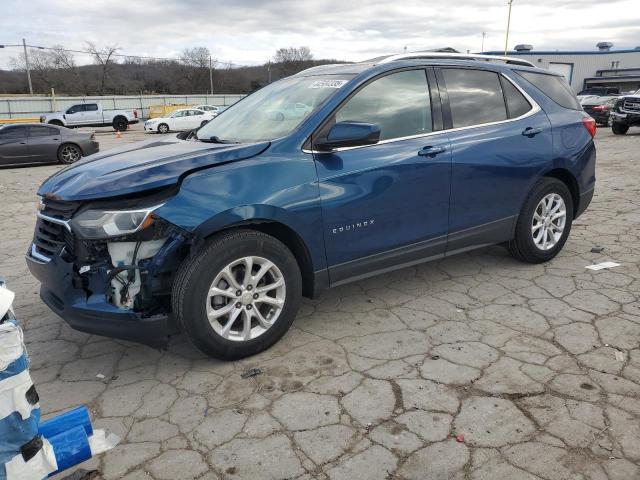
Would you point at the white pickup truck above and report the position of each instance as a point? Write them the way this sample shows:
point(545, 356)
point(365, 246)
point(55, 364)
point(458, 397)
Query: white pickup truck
point(91, 115)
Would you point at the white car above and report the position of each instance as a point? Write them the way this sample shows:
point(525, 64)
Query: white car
point(209, 109)
point(179, 120)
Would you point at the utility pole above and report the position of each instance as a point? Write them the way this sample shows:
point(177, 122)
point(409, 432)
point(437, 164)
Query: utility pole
point(211, 74)
point(26, 62)
point(484, 34)
point(269, 70)
point(506, 40)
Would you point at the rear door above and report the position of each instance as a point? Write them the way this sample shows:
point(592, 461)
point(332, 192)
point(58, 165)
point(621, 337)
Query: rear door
point(500, 140)
point(387, 204)
point(13, 145)
point(43, 143)
point(92, 114)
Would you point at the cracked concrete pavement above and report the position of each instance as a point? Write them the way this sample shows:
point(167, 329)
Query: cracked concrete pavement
point(537, 366)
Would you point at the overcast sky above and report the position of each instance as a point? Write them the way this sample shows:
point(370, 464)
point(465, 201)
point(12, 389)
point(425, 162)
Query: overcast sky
point(249, 31)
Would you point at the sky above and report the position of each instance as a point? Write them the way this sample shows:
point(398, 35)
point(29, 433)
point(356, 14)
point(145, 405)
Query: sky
point(248, 32)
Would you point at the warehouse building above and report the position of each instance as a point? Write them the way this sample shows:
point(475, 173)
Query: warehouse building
point(583, 69)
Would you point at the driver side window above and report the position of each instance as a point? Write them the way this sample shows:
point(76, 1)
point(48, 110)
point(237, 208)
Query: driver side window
point(398, 103)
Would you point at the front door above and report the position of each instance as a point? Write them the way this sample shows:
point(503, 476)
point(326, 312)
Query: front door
point(500, 140)
point(387, 204)
point(13, 145)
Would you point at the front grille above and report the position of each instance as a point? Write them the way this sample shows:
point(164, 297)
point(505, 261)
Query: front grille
point(51, 234)
point(632, 105)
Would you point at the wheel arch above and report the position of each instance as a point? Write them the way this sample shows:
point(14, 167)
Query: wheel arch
point(566, 177)
point(290, 238)
point(68, 142)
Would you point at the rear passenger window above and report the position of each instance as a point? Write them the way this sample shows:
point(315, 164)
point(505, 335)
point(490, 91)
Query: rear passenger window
point(554, 87)
point(91, 107)
point(475, 97)
point(43, 131)
point(398, 103)
point(517, 105)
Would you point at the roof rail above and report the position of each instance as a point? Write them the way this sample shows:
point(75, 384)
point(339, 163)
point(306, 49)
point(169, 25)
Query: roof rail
point(457, 56)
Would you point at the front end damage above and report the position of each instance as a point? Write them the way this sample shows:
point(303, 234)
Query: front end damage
point(118, 286)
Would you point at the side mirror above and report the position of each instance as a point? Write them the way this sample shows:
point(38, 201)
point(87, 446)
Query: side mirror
point(348, 134)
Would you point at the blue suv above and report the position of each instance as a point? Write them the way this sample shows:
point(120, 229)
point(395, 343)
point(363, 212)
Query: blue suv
point(329, 176)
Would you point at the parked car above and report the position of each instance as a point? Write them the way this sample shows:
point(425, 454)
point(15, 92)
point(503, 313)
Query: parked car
point(179, 120)
point(598, 92)
point(210, 109)
point(29, 143)
point(625, 113)
point(91, 115)
point(599, 108)
point(402, 160)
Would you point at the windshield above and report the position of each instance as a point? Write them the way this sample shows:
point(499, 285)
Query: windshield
point(272, 112)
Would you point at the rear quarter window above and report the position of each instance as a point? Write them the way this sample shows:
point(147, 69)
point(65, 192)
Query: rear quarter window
point(554, 87)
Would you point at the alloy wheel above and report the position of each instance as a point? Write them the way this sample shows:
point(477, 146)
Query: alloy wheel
point(70, 154)
point(549, 220)
point(246, 298)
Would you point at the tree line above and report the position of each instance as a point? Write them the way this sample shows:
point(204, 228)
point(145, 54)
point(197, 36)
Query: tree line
point(114, 74)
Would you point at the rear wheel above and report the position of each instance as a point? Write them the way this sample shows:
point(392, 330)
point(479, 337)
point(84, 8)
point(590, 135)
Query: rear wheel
point(69, 153)
point(120, 124)
point(239, 295)
point(619, 128)
point(163, 128)
point(544, 222)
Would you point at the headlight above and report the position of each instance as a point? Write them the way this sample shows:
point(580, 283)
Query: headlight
point(100, 224)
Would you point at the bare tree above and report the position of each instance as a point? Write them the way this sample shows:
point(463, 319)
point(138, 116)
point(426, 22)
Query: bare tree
point(105, 58)
point(292, 55)
point(49, 67)
point(195, 68)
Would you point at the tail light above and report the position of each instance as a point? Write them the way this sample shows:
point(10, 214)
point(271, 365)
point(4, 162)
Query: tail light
point(590, 124)
point(135, 114)
point(600, 108)
point(93, 137)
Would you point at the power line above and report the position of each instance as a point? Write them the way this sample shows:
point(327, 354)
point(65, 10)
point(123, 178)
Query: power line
point(123, 55)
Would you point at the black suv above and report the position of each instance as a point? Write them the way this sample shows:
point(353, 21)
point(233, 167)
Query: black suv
point(626, 113)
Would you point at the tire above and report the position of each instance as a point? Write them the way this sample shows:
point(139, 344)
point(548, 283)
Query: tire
point(57, 123)
point(69, 153)
point(120, 124)
point(204, 269)
point(163, 128)
point(528, 244)
point(619, 128)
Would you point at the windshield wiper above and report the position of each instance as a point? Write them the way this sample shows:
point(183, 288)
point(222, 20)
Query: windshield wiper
point(215, 139)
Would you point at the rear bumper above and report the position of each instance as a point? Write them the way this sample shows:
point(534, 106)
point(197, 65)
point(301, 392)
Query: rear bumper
point(90, 148)
point(585, 200)
point(91, 313)
point(135, 120)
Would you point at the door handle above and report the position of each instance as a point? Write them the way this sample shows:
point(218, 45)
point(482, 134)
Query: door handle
point(531, 132)
point(431, 151)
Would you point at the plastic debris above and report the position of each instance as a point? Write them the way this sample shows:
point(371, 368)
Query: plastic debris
point(597, 249)
point(619, 356)
point(252, 372)
point(100, 376)
point(603, 265)
point(460, 438)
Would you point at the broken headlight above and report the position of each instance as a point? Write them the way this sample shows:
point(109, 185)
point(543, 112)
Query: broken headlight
point(97, 224)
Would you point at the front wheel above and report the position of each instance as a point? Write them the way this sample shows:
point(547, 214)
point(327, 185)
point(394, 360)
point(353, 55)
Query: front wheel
point(163, 128)
point(239, 295)
point(544, 223)
point(619, 128)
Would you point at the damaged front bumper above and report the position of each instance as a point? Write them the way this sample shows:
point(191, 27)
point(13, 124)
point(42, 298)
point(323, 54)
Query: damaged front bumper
point(79, 280)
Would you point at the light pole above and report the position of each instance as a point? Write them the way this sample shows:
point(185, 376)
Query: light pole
point(211, 74)
point(506, 40)
point(26, 63)
point(484, 34)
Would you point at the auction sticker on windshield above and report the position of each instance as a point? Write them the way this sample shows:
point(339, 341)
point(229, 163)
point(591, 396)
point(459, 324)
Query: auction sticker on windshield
point(328, 83)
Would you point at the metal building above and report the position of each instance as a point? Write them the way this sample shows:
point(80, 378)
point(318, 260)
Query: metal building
point(583, 69)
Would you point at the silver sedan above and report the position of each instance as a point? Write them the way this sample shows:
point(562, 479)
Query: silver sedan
point(29, 143)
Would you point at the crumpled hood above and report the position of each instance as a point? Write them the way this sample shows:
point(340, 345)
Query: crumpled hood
point(140, 166)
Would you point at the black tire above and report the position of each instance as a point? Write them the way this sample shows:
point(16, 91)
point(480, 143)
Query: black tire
point(120, 124)
point(57, 123)
point(196, 274)
point(163, 128)
point(523, 246)
point(69, 153)
point(619, 128)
